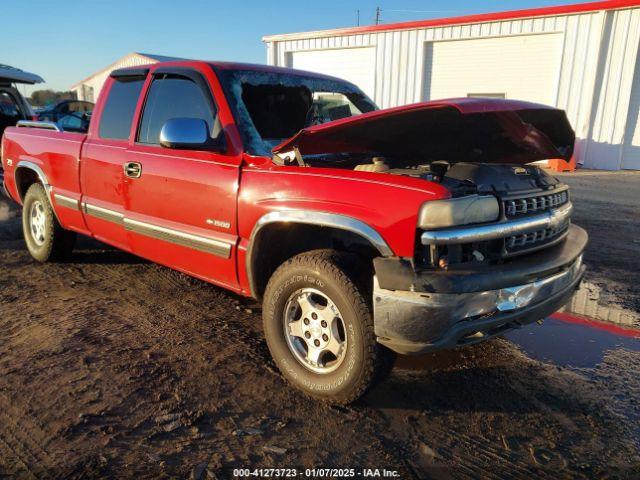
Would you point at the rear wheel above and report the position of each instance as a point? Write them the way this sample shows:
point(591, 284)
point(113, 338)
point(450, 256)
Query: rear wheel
point(319, 327)
point(46, 240)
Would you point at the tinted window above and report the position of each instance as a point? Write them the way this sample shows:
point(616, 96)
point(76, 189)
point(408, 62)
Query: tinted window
point(117, 115)
point(172, 96)
point(9, 106)
point(10, 111)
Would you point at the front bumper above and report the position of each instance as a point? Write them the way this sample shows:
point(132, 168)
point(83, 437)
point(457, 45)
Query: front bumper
point(415, 320)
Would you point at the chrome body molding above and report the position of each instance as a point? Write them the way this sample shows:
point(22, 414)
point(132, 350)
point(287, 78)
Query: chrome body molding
point(102, 213)
point(177, 237)
point(479, 233)
point(197, 242)
point(37, 124)
point(67, 202)
point(311, 217)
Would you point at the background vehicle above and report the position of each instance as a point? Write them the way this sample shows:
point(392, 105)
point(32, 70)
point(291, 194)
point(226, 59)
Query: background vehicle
point(13, 106)
point(70, 115)
point(363, 231)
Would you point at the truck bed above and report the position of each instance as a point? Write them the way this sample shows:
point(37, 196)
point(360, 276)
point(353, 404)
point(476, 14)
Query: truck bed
point(55, 156)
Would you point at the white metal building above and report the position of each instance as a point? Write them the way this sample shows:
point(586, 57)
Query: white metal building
point(89, 88)
point(582, 58)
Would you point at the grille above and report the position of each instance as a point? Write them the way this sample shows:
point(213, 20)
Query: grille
point(523, 206)
point(526, 241)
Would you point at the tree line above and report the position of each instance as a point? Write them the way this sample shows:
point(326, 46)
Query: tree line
point(40, 98)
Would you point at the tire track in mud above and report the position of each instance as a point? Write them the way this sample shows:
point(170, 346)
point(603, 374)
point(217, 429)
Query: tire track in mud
point(183, 317)
point(169, 308)
point(17, 435)
point(142, 309)
point(240, 332)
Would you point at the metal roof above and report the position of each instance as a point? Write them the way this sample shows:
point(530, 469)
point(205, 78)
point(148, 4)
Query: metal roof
point(159, 58)
point(462, 20)
point(152, 57)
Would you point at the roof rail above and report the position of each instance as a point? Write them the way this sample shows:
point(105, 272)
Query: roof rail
point(34, 124)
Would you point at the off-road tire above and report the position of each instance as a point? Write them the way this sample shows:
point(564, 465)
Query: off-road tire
point(334, 274)
point(58, 242)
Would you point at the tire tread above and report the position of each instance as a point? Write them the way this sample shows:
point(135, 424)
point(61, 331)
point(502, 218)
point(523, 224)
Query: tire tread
point(340, 267)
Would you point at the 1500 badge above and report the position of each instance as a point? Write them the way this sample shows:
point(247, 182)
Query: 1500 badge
point(218, 223)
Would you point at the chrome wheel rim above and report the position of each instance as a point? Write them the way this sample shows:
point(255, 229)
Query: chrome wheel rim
point(314, 330)
point(37, 222)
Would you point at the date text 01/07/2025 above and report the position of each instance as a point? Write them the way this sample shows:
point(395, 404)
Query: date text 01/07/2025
point(316, 473)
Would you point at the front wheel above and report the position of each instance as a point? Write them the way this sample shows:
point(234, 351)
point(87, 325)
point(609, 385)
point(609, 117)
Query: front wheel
point(319, 328)
point(46, 240)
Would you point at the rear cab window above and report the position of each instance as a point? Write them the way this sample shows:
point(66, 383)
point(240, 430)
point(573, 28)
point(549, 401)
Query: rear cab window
point(120, 107)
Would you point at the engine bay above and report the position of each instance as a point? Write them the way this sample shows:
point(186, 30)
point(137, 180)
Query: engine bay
point(462, 178)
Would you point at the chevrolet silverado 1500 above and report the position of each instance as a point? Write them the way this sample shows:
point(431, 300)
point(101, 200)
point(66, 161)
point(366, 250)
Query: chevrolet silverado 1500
point(362, 231)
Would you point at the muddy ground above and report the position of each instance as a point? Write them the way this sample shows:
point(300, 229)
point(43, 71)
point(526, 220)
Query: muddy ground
point(114, 367)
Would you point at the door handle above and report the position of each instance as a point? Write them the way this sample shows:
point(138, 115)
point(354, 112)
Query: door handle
point(133, 169)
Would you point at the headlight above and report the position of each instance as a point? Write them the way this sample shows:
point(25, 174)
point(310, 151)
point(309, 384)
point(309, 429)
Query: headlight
point(458, 211)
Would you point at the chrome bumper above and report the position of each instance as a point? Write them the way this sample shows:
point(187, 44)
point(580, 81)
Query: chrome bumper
point(416, 322)
point(480, 233)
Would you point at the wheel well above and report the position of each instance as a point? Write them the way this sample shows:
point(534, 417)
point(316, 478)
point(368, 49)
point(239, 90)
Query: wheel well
point(25, 177)
point(278, 242)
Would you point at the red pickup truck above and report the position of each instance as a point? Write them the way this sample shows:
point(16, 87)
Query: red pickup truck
point(363, 231)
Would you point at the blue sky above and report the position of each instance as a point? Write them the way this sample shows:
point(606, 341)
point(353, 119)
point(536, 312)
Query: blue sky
point(65, 41)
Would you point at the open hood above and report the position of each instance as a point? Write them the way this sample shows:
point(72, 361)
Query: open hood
point(456, 130)
point(15, 75)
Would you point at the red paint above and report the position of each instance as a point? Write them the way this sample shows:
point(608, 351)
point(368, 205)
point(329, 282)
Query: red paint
point(466, 19)
point(181, 189)
point(600, 325)
point(404, 131)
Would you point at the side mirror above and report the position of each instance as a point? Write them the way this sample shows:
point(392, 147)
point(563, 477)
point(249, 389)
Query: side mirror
point(188, 134)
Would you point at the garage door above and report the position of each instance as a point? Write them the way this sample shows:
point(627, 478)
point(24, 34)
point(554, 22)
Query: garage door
point(524, 67)
point(357, 65)
point(631, 146)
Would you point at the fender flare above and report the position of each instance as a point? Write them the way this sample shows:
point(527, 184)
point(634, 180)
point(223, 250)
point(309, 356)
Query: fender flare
point(38, 171)
point(24, 164)
point(310, 217)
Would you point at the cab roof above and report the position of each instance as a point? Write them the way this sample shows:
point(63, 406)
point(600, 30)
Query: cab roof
point(230, 66)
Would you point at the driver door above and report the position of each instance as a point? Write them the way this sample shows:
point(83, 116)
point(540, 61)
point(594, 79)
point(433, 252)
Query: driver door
point(181, 203)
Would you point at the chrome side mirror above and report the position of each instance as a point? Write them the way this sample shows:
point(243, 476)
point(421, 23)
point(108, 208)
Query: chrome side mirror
point(188, 134)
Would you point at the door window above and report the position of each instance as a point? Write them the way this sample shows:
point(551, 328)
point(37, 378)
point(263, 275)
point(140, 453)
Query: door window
point(173, 96)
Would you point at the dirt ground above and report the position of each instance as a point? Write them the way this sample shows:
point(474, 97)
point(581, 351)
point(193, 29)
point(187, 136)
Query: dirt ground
point(111, 366)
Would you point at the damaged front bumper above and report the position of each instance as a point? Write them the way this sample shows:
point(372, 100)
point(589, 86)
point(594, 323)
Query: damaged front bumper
point(434, 314)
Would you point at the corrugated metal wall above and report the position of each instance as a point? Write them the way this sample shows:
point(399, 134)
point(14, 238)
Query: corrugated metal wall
point(599, 51)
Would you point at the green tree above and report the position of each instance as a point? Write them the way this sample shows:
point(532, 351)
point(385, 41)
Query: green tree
point(40, 98)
